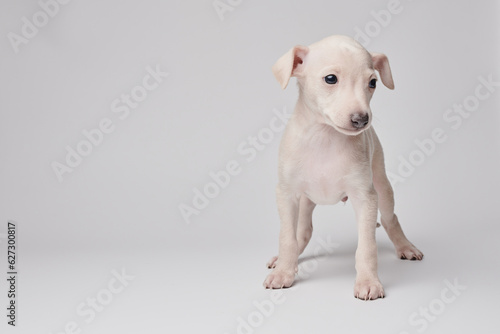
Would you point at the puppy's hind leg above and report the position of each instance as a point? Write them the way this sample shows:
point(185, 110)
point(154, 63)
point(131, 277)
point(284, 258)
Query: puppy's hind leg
point(304, 227)
point(404, 248)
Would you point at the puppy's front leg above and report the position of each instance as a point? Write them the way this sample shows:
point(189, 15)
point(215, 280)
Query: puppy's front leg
point(367, 284)
point(284, 274)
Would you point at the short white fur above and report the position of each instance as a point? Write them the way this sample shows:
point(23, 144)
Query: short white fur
point(326, 155)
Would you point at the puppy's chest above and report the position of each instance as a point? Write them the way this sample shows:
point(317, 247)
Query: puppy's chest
point(327, 168)
point(324, 164)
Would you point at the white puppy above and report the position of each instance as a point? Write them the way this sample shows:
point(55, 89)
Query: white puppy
point(329, 152)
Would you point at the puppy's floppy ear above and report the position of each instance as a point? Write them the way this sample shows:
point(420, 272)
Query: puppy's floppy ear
point(290, 64)
point(381, 64)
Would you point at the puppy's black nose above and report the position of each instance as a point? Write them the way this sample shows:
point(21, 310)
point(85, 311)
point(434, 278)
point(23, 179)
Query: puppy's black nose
point(359, 121)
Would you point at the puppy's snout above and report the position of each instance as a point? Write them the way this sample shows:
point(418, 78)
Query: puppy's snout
point(359, 120)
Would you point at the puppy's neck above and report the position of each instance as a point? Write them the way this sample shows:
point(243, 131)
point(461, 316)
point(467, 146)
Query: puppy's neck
point(308, 115)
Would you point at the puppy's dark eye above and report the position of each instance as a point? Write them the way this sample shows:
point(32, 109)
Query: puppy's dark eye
point(331, 79)
point(373, 83)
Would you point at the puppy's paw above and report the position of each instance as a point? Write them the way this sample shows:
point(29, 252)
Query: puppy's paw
point(368, 289)
point(409, 252)
point(279, 278)
point(272, 263)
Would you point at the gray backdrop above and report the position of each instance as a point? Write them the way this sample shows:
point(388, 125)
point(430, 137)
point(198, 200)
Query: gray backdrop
point(117, 115)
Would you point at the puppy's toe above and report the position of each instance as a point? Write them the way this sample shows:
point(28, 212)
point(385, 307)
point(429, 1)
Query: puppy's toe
point(272, 263)
point(368, 290)
point(409, 252)
point(278, 279)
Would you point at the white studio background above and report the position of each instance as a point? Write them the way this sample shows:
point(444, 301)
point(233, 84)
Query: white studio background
point(117, 210)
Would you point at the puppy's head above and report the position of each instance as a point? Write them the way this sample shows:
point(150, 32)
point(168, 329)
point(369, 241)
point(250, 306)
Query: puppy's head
point(337, 79)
